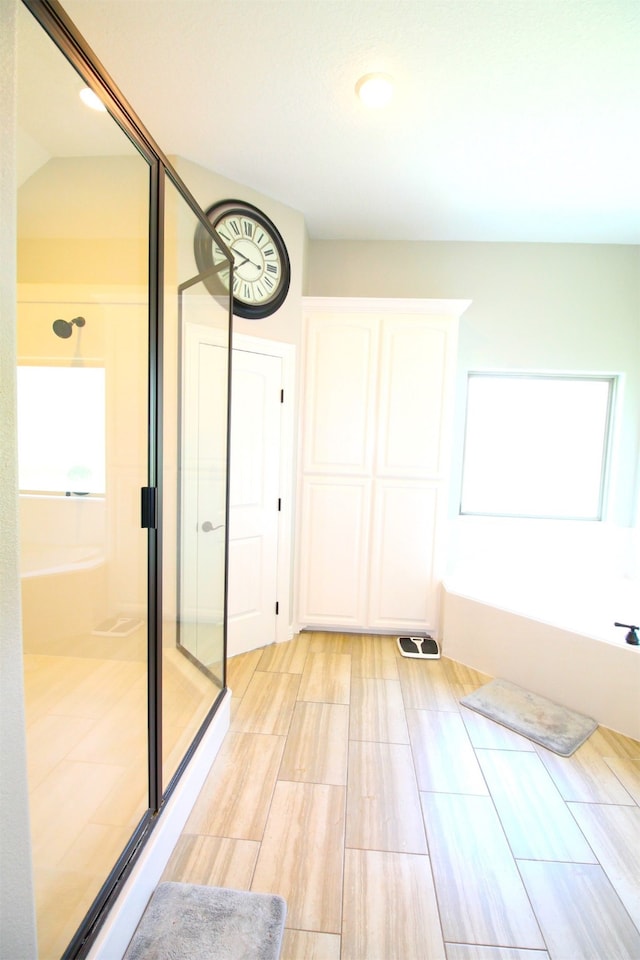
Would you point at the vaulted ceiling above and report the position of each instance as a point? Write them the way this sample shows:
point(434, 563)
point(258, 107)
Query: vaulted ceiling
point(512, 120)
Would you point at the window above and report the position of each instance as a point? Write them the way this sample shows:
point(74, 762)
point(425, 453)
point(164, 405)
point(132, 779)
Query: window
point(61, 429)
point(536, 446)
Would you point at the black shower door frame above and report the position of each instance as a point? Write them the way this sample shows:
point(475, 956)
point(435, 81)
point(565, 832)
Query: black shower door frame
point(54, 20)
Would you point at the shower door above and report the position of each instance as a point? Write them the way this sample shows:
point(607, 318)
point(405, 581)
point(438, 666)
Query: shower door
point(83, 374)
point(114, 705)
point(196, 350)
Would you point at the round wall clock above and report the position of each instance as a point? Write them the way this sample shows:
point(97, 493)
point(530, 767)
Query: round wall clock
point(261, 268)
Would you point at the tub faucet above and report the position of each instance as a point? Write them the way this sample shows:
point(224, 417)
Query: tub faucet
point(632, 636)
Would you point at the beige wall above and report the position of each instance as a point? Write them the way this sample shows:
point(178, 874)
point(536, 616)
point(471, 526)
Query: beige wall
point(548, 307)
point(82, 250)
point(83, 220)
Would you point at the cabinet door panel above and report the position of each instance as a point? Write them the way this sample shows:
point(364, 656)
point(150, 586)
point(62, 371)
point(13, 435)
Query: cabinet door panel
point(412, 384)
point(403, 590)
point(340, 398)
point(334, 545)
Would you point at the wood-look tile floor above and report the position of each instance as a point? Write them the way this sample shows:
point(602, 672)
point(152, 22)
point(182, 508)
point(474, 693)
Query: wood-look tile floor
point(86, 723)
point(398, 824)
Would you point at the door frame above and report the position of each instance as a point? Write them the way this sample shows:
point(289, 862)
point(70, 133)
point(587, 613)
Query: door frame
point(287, 354)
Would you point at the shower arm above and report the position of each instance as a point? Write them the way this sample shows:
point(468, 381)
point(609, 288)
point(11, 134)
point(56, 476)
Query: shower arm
point(64, 328)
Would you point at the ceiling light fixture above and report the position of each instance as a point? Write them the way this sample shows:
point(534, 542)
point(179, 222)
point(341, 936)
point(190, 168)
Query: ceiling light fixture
point(375, 89)
point(91, 99)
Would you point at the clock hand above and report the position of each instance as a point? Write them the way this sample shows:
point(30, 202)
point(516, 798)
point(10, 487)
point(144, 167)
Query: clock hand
point(249, 260)
point(245, 260)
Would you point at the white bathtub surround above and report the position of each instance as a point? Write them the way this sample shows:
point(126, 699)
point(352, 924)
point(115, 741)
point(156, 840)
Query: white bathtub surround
point(588, 675)
point(534, 602)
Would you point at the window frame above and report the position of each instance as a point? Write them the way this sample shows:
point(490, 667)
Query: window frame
point(607, 439)
point(57, 363)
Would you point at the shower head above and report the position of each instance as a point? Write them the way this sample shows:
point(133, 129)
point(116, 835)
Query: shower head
point(64, 328)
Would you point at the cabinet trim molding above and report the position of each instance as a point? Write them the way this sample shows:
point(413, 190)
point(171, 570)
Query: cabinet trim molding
point(390, 305)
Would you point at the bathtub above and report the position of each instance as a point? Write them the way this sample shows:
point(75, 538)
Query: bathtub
point(62, 569)
point(562, 660)
point(544, 618)
point(47, 561)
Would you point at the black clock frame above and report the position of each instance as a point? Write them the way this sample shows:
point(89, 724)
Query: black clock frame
point(203, 251)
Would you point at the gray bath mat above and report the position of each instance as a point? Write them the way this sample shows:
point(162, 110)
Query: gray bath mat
point(185, 920)
point(552, 726)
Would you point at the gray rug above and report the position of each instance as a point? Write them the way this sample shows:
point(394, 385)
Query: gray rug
point(184, 921)
point(552, 726)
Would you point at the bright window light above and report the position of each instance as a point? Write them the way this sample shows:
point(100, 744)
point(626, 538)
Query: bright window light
point(61, 429)
point(536, 446)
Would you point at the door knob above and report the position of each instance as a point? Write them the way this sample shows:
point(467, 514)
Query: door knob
point(207, 526)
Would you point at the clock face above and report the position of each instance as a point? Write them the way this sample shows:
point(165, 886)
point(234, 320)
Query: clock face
point(261, 270)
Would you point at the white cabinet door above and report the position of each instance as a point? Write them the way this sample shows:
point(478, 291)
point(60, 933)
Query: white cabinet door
point(339, 412)
point(335, 534)
point(412, 391)
point(375, 433)
point(403, 594)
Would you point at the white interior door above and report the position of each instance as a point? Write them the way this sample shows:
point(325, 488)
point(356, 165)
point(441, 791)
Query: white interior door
point(254, 500)
point(204, 449)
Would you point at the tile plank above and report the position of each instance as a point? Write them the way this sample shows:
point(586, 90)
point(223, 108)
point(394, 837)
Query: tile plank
point(375, 657)
point(390, 910)
point(326, 677)
point(321, 641)
point(463, 679)
point(240, 670)
point(304, 945)
point(472, 951)
point(479, 890)
point(425, 685)
point(610, 743)
point(487, 734)
point(383, 805)
point(287, 657)
point(584, 777)
point(212, 861)
point(268, 703)
point(318, 744)
point(301, 856)
point(628, 773)
point(579, 912)
point(377, 711)
point(614, 835)
point(534, 815)
point(235, 798)
point(445, 760)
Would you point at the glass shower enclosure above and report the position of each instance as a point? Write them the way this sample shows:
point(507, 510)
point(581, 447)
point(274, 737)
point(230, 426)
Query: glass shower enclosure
point(123, 388)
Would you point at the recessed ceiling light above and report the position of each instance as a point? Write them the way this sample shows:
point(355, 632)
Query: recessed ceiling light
point(91, 99)
point(375, 89)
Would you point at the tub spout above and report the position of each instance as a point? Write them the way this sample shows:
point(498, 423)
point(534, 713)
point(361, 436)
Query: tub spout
point(632, 636)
